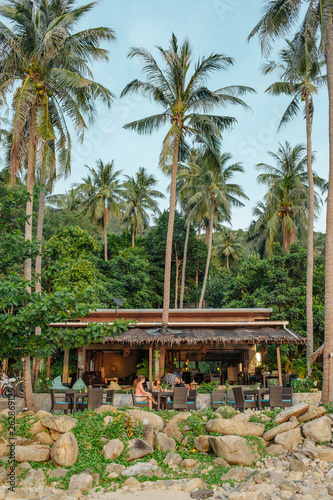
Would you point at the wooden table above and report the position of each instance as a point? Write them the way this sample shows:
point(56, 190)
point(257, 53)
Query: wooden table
point(258, 393)
point(161, 394)
point(73, 397)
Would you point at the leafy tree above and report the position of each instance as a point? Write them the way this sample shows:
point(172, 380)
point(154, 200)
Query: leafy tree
point(228, 244)
point(186, 101)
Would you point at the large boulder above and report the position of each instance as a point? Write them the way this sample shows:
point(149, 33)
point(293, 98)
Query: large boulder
point(65, 451)
point(173, 431)
point(137, 448)
point(312, 414)
point(182, 416)
point(228, 427)
point(172, 459)
point(60, 424)
point(43, 438)
point(43, 414)
point(318, 430)
point(139, 469)
point(202, 444)
point(234, 449)
point(295, 411)
point(287, 426)
point(289, 439)
point(3, 446)
point(148, 434)
point(117, 468)
point(113, 449)
point(83, 482)
point(32, 453)
point(164, 442)
point(147, 418)
point(37, 427)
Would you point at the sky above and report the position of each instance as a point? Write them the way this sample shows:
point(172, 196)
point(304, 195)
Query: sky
point(213, 26)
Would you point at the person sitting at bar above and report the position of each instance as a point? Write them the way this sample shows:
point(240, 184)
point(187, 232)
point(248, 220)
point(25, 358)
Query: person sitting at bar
point(142, 395)
point(179, 382)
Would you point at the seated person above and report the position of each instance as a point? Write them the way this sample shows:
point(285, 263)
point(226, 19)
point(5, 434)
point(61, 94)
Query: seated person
point(179, 382)
point(157, 385)
point(141, 394)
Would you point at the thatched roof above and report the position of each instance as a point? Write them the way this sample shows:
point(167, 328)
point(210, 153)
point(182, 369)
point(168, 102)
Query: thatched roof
point(318, 355)
point(214, 336)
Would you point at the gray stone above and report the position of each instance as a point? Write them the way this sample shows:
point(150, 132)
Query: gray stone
point(147, 418)
point(137, 448)
point(202, 494)
point(235, 474)
point(297, 465)
point(148, 434)
point(202, 444)
point(65, 451)
point(234, 449)
point(172, 459)
point(34, 478)
point(275, 449)
point(113, 449)
point(289, 439)
point(228, 427)
point(296, 411)
point(318, 430)
point(139, 469)
point(61, 424)
point(58, 473)
point(118, 468)
point(220, 462)
point(164, 442)
point(83, 482)
point(132, 483)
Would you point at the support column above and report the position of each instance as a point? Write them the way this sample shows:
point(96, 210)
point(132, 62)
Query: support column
point(81, 361)
point(278, 354)
point(48, 367)
point(161, 361)
point(66, 367)
point(150, 367)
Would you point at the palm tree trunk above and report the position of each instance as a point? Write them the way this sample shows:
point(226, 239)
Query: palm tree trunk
point(176, 280)
point(309, 269)
point(182, 287)
point(199, 231)
point(227, 261)
point(133, 235)
point(105, 220)
point(285, 235)
point(327, 394)
point(161, 361)
point(40, 223)
point(168, 249)
point(210, 240)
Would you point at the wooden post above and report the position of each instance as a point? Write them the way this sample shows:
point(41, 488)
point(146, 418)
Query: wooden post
point(48, 367)
point(150, 367)
point(66, 367)
point(279, 364)
point(81, 361)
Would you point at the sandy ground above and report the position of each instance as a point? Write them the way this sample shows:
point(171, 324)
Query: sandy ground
point(142, 495)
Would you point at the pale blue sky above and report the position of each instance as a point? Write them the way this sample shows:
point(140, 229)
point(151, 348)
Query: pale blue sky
point(212, 26)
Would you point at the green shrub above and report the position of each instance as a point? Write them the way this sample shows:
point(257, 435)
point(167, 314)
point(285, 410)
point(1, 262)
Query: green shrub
point(302, 384)
point(207, 387)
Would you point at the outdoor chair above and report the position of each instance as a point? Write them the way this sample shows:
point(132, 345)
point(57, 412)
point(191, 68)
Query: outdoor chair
point(287, 396)
point(179, 399)
point(214, 377)
point(58, 405)
point(217, 399)
point(135, 402)
point(192, 403)
point(95, 399)
point(109, 397)
point(240, 402)
point(230, 399)
point(275, 397)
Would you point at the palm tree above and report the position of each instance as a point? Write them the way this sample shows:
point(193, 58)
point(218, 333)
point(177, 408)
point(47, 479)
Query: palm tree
point(211, 188)
point(279, 18)
point(186, 101)
point(301, 82)
point(101, 191)
point(138, 197)
point(286, 202)
point(229, 244)
point(45, 71)
point(70, 200)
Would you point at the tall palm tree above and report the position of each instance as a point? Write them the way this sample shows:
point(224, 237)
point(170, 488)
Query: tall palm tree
point(229, 244)
point(70, 200)
point(301, 82)
point(186, 101)
point(138, 195)
point(45, 71)
point(101, 191)
point(286, 202)
point(211, 187)
point(280, 17)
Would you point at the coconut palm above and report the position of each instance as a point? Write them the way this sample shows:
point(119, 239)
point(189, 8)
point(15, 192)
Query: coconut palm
point(70, 201)
point(211, 188)
point(286, 202)
point(186, 102)
point(138, 200)
point(101, 191)
point(301, 82)
point(229, 244)
point(280, 17)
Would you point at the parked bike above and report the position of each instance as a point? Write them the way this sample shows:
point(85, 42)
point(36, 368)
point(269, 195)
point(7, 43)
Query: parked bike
point(11, 385)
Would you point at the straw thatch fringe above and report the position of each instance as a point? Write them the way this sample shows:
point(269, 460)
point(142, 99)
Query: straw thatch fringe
point(318, 355)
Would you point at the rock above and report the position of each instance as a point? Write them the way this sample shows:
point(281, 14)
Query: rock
point(202, 494)
point(193, 484)
point(148, 434)
point(113, 449)
point(24, 465)
point(32, 453)
point(104, 408)
point(26, 442)
point(37, 428)
point(43, 438)
point(202, 444)
point(107, 420)
point(296, 411)
point(228, 427)
point(43, 414)
point(189, 463)
point(58, 473)
point(153, 462)
point(3, 475)
point(219, 461)
point(289, 439)
point(55, 435)
point(172, 459)
point(3, 446)
point(139, 469)
point(173, 431)
point(118, 468)
point(181, 416)
point(297, 465)
point(234, 449)
point(287, 426)
point(164, 442)
point(113, 475)
point(65, 451)
point(318, 430)
point(235, 474)
point(147, 418)
point(275, 449)
point(132, 483)
point(312, 414)
point(325, 454)
point(137, 448)
point(34, 478)
point(61, 424)
point(82, 482)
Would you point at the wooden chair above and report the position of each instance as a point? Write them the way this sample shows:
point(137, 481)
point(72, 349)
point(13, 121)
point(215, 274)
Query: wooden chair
point(240, 402)
point(135, 402)
point(217, 399)
point(275, 397)
point(287, 396)
point(109, 397)
point(179, 399)
point(95, 400)
point(214, 377)
point(59, 405)
point(192, 400)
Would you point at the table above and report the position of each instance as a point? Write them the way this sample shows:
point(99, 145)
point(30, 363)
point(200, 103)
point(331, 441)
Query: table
point(258, 393)
point(161, 394)
point(73, 397)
